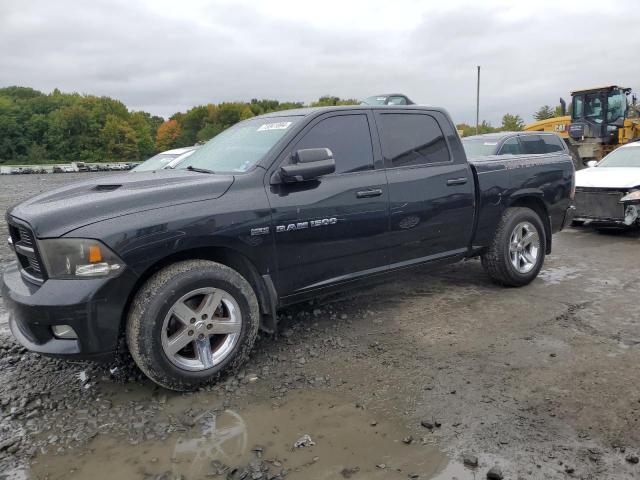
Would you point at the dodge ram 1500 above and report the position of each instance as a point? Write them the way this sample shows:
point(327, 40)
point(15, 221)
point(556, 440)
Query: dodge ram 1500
point(186, 265)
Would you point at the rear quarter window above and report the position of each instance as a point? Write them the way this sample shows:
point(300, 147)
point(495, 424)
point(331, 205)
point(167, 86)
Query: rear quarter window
point(533, 144)
point(553, 143)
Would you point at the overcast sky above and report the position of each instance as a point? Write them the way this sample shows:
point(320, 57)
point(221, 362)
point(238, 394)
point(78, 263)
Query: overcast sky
point(163, 56)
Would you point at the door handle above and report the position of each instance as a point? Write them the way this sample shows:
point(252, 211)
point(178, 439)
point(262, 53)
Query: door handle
point(376, 192)
point(457, 181)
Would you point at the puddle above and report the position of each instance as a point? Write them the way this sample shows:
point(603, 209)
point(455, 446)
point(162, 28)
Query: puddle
point(557, 275)
point(343, 434)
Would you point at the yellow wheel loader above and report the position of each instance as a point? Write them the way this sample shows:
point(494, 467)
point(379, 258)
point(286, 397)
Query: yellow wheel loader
point(601, 119)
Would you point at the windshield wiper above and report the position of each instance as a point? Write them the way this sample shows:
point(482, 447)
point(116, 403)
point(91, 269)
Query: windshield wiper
point(191, 168)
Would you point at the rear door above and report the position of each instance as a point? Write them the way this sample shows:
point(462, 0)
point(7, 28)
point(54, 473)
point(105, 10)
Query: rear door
point(431, 193)
point(332, 229)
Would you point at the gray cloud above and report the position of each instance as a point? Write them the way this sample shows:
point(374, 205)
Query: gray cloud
point(155, 60)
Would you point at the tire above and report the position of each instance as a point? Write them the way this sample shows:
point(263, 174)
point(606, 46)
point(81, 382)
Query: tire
point(177, 306)
point(500, 260)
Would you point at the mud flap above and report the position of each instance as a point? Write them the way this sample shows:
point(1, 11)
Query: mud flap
point(269, 320)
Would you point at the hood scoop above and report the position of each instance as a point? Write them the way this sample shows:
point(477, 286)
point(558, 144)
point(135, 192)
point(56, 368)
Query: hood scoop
point(106, 187)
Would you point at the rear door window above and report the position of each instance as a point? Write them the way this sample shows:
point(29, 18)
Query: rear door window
point(533, 144)
point(511, 146)
point(412, 139)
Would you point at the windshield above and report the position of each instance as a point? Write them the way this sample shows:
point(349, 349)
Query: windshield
point(157, 162)
point(622, 157)
point(375, 100)
point(593, 107)
point(478, 147)
point(240, 147)
point(617, 105)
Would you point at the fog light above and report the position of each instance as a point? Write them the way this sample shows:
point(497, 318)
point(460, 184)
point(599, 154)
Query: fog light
point(64, 331)
point(630, 214)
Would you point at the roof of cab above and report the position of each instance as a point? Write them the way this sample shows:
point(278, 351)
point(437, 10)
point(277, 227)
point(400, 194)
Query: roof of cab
point(312, 110)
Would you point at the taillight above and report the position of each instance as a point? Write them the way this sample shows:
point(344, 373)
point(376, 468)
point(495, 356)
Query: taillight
point(573, 186)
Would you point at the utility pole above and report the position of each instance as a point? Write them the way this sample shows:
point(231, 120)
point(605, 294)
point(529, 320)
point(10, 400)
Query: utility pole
point(478, 103)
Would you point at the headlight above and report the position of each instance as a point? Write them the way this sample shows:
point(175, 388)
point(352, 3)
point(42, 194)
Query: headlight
point(78, 258)
point(631, 196)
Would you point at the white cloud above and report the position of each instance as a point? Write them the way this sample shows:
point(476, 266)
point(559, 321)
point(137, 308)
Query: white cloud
point(163, 55)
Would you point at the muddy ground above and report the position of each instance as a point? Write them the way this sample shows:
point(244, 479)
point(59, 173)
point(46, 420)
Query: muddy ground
point(400, 380)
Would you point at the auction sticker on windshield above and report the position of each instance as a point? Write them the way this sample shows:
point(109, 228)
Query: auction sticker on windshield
point(274, 126)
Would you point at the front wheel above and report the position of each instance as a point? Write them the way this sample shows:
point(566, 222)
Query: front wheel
point(517, 251)
point(190, 322)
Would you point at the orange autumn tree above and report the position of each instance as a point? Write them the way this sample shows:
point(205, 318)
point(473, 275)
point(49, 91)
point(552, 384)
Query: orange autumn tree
point(167, 135)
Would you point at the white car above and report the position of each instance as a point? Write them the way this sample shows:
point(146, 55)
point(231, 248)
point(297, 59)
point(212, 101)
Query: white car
point(608, 192)
point(168, 159)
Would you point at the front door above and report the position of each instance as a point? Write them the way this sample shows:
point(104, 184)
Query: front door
point(332, 229)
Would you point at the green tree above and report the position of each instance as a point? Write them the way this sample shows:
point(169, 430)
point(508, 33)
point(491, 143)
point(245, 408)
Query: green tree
point(469, 130)
point(331, 101)
point(544, 113)
point(36, 154)
point(119, 139)
point(512, 123)
point(69, 137)
point(140, 122)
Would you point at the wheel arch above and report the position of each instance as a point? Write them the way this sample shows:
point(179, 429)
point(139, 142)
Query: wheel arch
point(536, 203)
point(263, 287)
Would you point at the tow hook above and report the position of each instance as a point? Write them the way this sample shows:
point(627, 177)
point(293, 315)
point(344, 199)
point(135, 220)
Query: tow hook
point(630, 214)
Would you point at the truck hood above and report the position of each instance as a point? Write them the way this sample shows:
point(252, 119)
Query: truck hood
point(54, 213)
point(608, 177)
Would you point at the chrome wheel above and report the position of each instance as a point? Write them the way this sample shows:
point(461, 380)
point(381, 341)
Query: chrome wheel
point(524, 247)
point(201, 329)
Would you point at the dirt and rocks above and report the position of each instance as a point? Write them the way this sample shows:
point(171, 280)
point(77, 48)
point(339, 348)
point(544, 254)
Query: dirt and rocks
point(428, 375)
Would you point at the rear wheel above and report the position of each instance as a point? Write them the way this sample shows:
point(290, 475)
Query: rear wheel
point(191, 322)
point(517, 251)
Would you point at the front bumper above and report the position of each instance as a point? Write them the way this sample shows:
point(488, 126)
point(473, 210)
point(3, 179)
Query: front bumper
point(93, 307)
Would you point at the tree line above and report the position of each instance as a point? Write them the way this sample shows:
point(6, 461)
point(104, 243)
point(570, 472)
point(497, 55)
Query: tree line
point(58, 127)
point(510, 122)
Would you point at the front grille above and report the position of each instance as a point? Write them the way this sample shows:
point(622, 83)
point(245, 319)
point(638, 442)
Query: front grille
point(25, 236)
point(26, 250)
point(599, 204)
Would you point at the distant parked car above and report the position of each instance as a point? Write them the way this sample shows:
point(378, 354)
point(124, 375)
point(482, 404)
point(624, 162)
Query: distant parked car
point(80, 167)
point(166, 159)
point(387, 99)
point(513, 143)
point(608, 192)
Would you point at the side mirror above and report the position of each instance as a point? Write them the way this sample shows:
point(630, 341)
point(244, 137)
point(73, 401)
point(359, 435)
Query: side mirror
point(592, 163)
point(308, 164)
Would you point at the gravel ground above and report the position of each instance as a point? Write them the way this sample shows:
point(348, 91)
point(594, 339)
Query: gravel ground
point(439, 368)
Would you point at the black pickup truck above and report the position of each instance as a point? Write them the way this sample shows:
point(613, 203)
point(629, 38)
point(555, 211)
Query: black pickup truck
point(186, 265)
